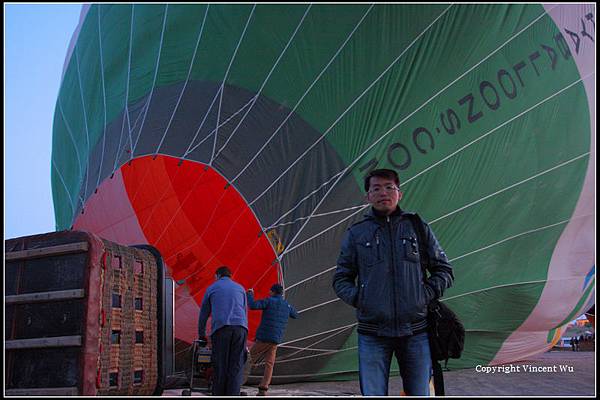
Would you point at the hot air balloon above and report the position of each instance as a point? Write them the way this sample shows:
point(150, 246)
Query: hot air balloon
point(239, 135)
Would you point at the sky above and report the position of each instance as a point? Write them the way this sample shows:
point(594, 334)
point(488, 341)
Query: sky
point(36, 39)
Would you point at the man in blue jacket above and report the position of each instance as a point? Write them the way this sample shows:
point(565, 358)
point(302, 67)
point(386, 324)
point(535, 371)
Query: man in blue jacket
point(269, 334)
point(379, 273)
point(225, 301)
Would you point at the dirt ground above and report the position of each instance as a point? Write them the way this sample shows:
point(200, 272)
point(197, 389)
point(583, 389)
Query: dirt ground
point(558, 373)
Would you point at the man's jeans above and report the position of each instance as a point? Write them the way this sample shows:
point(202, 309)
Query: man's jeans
point(375, 357)
point(228, 357)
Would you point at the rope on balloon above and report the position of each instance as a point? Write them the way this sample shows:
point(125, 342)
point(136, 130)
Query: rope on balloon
point(218, 94)
point(162, 33)
point(255, 98)
point(347, 109)
point(187, 79)
point(87, 133)
point(224, 80)
point(348, 168)
point(304, 95)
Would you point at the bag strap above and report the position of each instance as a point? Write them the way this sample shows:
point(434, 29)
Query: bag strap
point(438, 379)
point(419, 227)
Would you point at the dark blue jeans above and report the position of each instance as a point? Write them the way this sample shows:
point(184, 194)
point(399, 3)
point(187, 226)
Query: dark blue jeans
point(375, 358)
point(228, 358)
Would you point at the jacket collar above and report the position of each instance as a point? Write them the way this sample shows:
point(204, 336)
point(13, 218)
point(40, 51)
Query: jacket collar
point(379, 218)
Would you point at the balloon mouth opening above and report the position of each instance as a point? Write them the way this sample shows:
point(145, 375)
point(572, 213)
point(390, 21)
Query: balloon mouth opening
point(193, 216)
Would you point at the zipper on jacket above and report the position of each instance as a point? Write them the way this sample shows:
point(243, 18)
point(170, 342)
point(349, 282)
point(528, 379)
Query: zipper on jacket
point(393, 270)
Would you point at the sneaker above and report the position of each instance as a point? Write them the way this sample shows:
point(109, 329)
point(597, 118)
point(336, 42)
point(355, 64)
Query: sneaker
point(262, 392)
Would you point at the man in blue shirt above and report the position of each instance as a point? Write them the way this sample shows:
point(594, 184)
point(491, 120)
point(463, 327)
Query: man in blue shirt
point(225, 301)
point(269, 334)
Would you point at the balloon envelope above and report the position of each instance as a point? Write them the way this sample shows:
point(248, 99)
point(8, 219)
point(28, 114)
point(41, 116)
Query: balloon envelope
point(240, 134)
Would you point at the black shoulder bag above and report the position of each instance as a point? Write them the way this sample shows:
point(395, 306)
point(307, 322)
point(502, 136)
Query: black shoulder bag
point(446, 332)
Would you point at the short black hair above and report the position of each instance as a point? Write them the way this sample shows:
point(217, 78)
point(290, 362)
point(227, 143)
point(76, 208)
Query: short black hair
point(277, 288)
point(223, 271)
point(382, 173)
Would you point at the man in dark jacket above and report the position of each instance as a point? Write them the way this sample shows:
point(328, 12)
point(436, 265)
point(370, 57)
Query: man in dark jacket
point(269, 334)
point(379, 273)
point(225, 302)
